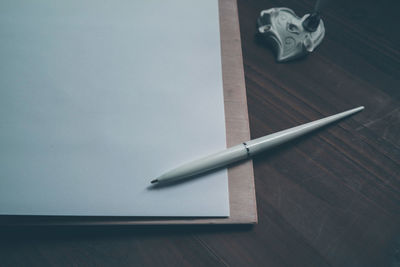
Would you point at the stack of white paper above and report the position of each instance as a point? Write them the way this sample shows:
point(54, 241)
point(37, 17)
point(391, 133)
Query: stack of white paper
point(97, 98)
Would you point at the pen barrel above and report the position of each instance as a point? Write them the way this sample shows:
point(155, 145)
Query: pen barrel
point(202, 165)
point(266, 142)
point(250, 148)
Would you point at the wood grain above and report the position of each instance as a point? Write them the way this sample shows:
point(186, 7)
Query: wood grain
point(331, 198)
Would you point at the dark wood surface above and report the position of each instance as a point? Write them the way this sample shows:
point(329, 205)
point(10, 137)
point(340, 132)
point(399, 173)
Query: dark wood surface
point(329, 199)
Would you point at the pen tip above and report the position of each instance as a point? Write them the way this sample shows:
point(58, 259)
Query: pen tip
point(154, 181)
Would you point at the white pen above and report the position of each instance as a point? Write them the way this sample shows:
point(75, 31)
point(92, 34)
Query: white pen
point(247, 149)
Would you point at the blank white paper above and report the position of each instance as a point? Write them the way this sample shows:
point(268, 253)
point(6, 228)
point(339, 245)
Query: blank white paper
point(99, 97)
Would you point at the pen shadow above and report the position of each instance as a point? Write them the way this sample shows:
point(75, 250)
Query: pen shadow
point(203, 175)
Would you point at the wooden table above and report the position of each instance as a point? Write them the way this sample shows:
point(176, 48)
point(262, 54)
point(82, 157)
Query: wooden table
point(329, 199)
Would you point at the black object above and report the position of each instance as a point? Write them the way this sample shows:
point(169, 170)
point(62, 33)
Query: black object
point(311, 23)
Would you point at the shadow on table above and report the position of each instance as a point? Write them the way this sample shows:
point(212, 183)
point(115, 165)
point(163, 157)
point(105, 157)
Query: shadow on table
point(16, 233)
point(69, 228)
